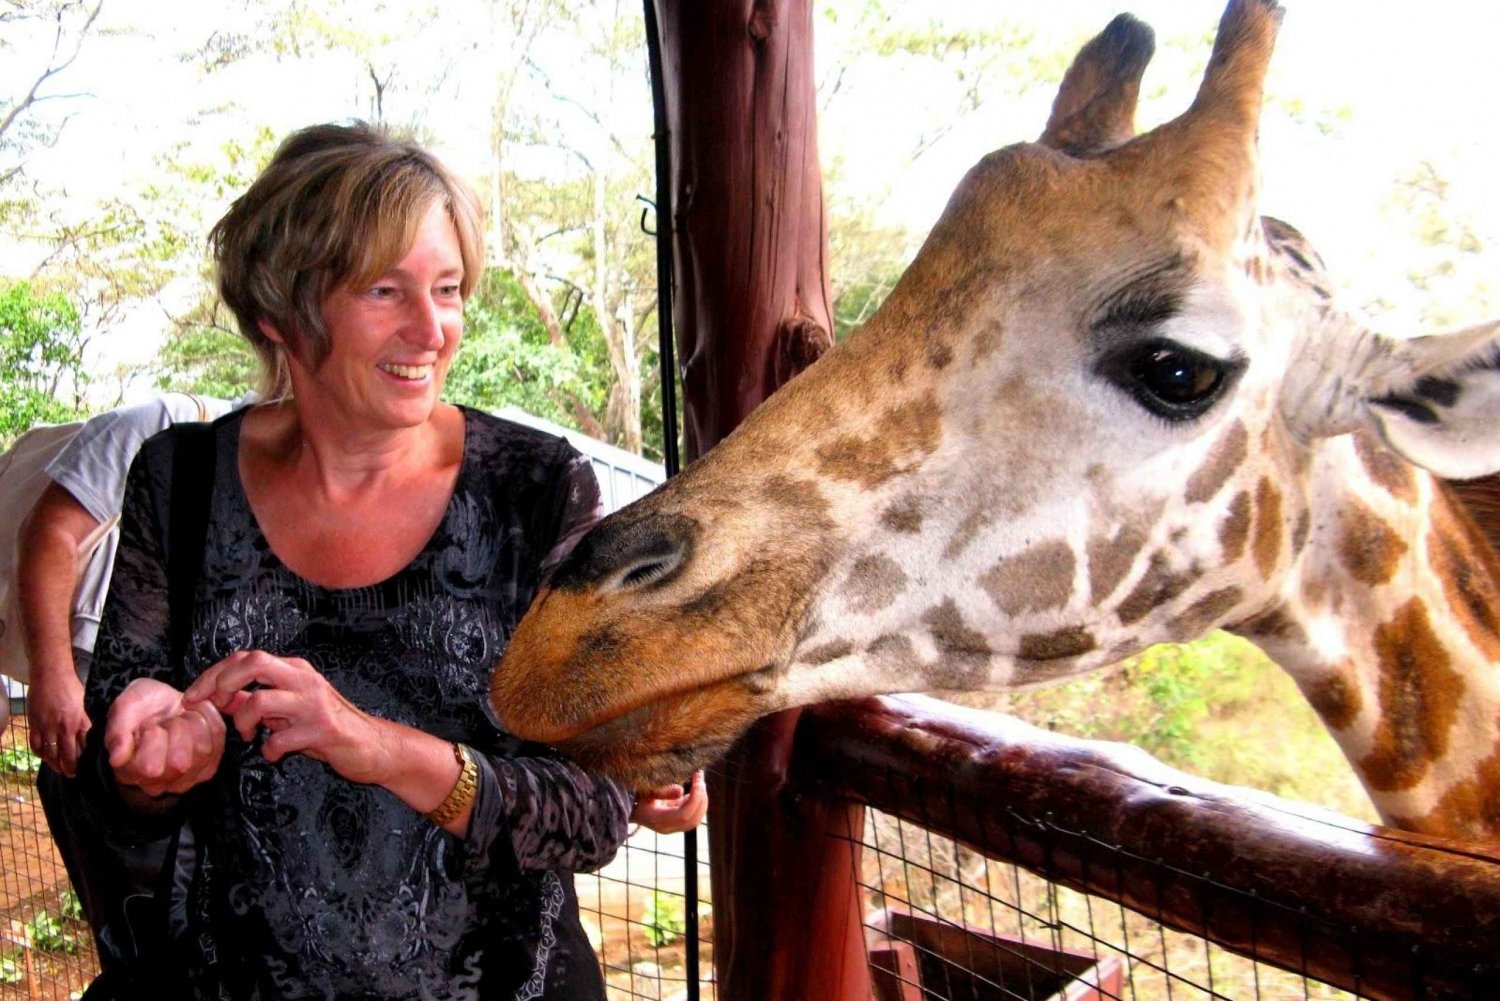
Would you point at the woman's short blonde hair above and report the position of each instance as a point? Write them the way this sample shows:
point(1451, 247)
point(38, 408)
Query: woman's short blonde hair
point(338, 205)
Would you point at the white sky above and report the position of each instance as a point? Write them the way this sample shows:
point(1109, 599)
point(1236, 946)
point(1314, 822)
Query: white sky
point(1419, 81)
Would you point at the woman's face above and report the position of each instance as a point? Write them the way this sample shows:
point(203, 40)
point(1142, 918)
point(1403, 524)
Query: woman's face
point(391, 343)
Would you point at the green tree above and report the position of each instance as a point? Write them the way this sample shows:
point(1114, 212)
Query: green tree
point(508, 358)
point(41, 352)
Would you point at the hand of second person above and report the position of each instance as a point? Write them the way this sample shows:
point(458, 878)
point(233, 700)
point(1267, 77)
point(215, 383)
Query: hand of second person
point(301, 712)
point(59, 725)
point(671, 810)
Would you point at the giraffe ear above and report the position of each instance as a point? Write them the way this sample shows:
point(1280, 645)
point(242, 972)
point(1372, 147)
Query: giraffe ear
point(1440, 406)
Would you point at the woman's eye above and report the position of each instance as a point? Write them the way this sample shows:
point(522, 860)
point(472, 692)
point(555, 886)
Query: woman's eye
point(1172, 381)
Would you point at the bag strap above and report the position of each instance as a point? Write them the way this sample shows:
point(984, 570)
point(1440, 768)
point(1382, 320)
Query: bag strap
point(192, 493)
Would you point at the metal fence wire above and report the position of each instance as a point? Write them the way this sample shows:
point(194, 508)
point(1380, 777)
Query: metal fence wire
point(636, 911)
point(46, 951)
point(948, 924)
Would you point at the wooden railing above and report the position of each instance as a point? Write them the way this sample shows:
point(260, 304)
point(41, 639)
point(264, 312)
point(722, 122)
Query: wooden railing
point(1378, 912)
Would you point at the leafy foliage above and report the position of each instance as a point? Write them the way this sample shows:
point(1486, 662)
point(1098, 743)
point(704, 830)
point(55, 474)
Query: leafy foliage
point(41, 353)
point(508, 358)
point(664, 917)
point(19, 760)
point(49, 933)
point(209, 359)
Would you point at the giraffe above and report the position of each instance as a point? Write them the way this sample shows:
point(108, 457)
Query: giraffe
point(1108, 405)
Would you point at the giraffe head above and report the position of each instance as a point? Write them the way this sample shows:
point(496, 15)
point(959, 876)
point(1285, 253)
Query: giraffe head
point(1082, 423)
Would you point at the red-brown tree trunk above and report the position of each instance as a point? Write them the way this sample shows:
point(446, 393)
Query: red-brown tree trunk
point(751, 309)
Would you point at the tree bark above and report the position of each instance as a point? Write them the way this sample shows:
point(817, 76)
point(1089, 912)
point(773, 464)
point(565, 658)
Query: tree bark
point(752, 307)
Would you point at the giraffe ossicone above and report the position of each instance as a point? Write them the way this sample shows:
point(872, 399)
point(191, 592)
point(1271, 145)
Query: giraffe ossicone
point(1108, 405)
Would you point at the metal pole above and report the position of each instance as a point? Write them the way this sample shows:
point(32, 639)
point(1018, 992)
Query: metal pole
point(671, 457)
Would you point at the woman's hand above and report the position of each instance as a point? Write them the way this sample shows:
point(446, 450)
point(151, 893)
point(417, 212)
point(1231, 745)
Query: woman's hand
point(158, 743)
point(670, 810)
point(301, 712)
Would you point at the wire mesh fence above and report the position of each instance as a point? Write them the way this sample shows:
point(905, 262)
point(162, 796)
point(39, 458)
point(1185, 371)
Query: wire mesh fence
point(636, 910)
point(947, 923)
point(46, 951)
point(639, 912)
point(1011, 863)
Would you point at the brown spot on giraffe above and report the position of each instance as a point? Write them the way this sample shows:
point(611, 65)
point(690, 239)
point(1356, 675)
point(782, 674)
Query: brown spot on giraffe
point(1224, 458)
point(894, 651)
point(1157, 586)
point(1301, 531)
point(939, 356)
point(1234, 530)
point(1035, 580)
point(1386, 469)
point(1334, 698)
point(965, 651)
point(1112, 555)
point(1470, 808)
point(874, 582)
point(799, 495)
point(987, 341)
point(1273, 624)
point(1419, 696)
point(1204, 614)
point(826, 652)
point(899, 365)
point(967, 530)
point(1071, 642)
point(901, 438)
point(905, 516)
point(1470, 574)
point(1367, 546)
point(1268, 526)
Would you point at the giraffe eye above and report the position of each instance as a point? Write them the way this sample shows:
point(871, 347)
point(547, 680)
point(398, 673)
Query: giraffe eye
point(1173, 382)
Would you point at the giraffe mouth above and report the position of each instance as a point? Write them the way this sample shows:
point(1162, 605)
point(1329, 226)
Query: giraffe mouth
point(665, 741)
point(645, 770)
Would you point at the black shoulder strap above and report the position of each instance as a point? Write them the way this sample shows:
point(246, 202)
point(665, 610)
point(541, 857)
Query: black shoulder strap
point(193, 466)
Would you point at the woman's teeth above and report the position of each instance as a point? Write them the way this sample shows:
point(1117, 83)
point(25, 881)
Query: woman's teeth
point(407, 371)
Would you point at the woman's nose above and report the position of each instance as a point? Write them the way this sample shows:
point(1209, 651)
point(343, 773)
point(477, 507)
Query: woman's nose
point(426, 326)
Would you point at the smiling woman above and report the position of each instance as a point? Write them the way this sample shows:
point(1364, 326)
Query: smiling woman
point(364, 827)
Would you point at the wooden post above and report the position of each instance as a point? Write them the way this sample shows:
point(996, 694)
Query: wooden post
point(752, 308)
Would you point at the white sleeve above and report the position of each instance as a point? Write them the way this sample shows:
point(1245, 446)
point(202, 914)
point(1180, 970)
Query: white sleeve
point(93, 466)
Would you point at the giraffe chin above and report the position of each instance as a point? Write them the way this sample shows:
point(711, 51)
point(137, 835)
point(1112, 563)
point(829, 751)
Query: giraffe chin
point(663, 743)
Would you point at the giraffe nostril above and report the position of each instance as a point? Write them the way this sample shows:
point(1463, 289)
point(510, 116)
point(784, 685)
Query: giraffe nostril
point(629, 553)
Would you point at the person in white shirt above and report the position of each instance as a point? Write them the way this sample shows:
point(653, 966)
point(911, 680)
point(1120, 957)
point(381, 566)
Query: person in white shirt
point(61, 603)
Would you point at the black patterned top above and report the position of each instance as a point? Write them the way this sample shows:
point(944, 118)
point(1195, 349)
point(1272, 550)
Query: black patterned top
point(308, 885)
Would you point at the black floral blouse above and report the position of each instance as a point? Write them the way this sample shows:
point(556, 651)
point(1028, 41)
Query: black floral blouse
point(308, 885)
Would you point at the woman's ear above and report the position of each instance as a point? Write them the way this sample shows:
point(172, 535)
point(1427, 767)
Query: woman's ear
point(269, 331)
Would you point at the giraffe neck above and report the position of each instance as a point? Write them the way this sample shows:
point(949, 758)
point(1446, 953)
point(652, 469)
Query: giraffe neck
point(1392, 632)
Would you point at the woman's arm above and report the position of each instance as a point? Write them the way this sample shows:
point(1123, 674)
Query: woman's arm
point(144, 743)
